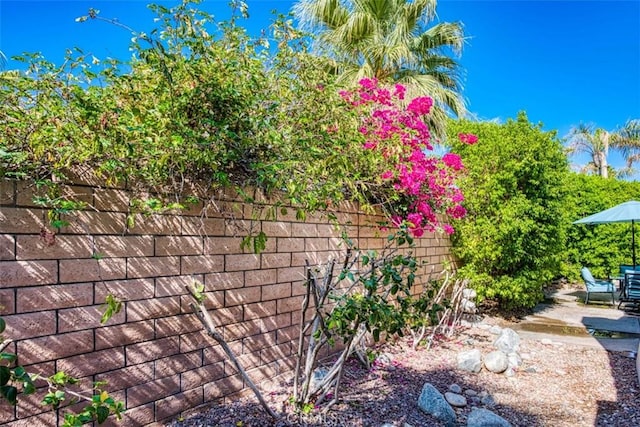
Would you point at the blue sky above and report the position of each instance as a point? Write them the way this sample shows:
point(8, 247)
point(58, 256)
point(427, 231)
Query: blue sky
point(563, 62)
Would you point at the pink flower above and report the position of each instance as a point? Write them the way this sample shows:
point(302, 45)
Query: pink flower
point(400, 91)
point(420, 105)
point(453, 161)
point(387, 175)
point(468, 138)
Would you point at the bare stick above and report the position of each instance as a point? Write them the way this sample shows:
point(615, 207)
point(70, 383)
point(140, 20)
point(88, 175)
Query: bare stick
point(203, 315)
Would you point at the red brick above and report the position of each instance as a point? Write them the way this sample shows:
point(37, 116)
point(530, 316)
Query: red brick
point(241, 330)
point(214, 353)
point(153, 390)
point(133, 417)
point(90, 222)
point(151, 350)
point(197, 377)
point(96, 362)
point(275, 260)
point(313, 244)
point(328, 230)
point(167, 225)
point(177, 325)
point(177, 363)
point(7, 247)
point(241, 262)
point(304, 230)
point(195, 226)
point(125, 290)
point(247, 361)
point(111, 200)
point(286, 214)
point(277, 291)
point(290, 304)
point(273, 323)
point(7, 192)
point(314, 258)
point(52, 297)
point(260, 277)
point(175, 285)
point(227, 316)
point(212, 301)
point(291, 274)
point(178, 245)
point(222, 387)
point(34, 247)
point(290, 333)
point(19, 220)
point(220, 281)
point(290, 244)
point(79, 318)
point(47, 419)
point(127, 377)
point(85, 270)
point(259, 309)
point(23, 326)
point(201, 264)
point(153, 266)
point(124, 334)
point(277, 352)
point(36, 350)
point(23, 273)
point(173, 405)
point(8, 412)
point(152, 309)
point(261, 373)
point(124, 246)
point(192, 341)
point(276, 229)
point(241, 296)
point(258, 342)
point(222, 245)
point(7, 302)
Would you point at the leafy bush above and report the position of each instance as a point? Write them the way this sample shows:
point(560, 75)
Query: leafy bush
point(512, 239)
point(602, 247)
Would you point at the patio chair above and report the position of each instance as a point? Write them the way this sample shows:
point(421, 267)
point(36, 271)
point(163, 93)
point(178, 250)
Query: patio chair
point(597, 286)
point(630, 292)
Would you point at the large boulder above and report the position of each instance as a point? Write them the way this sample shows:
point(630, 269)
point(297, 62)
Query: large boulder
point(496, 361)
point(432, 402)
point(508, 341)
point(484, 418)
point(470, 361)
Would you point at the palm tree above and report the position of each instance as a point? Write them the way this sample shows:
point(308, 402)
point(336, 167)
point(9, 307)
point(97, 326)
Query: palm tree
point(389, 40)
point(627, 140)
point(596, 142)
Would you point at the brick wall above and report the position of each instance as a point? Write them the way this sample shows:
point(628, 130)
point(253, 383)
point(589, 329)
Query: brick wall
point(154, 353)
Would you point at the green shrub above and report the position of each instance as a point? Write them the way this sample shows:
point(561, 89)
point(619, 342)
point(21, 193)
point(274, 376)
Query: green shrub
point(512, 240)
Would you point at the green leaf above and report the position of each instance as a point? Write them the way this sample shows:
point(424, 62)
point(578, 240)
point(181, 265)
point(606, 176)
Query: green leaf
point(10, 393)
point(3, 325)
point(102, 413)
point(5, 375)
point(10, 357)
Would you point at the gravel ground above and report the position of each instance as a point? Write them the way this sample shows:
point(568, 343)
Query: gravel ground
point(557, 385)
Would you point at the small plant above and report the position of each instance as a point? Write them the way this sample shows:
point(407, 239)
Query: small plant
point(369, 295)
point(15, 380)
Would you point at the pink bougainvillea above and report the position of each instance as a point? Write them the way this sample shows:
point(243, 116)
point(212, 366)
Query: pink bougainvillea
point(426, 182)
